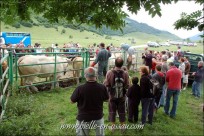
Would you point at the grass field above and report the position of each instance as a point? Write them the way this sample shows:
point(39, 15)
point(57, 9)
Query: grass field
point(47, 36)
point(44, 113)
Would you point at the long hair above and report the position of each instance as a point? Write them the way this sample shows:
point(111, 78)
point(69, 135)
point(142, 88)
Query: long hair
point(144, 69)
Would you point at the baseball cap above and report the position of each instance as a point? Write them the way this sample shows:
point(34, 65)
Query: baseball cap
point(90, 72)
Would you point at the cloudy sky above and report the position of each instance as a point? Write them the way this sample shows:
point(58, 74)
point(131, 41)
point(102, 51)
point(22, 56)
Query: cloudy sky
point(170, 13)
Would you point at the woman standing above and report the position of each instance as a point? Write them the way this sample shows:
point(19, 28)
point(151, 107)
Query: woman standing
point(147, 97)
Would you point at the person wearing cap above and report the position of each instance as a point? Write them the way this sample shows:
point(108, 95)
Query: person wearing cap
point(102, 60)
point(130, 50)
point(89, 98)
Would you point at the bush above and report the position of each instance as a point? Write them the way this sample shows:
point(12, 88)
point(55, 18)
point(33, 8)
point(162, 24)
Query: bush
point(41, 19)
point(108, 37)
point(63, 31)
point(6, 27)
point(16, 25)
point(81, 29)
point(70, 37)
point(56, 28)
point(26, 24)
point(35, 24)
point(86, 37)
point(47, 25)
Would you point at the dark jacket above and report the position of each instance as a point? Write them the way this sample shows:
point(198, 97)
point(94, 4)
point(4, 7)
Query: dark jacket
point(199, 75)
point(148, 60)
point(145, 87)
point(102, 56)
point(133, 93)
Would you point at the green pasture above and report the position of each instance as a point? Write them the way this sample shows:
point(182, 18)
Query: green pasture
point(44, 113)
point(47, 36)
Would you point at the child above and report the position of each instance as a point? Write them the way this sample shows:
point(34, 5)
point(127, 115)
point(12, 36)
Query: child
point(126, 70)
point(134, 97)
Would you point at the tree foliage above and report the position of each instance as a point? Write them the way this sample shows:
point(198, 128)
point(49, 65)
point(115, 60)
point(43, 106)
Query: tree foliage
point(92, 12)
point(99, 13)
point(192, 20)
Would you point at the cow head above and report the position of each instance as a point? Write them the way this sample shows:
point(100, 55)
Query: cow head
point(65, 65)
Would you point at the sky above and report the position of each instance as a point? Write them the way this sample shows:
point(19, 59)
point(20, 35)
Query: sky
point(170, 13)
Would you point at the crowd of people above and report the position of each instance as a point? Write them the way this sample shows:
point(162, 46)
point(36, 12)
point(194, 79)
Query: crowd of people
point(159, 82)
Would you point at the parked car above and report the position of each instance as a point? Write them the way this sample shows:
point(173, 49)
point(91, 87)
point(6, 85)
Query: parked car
point(165, 44)
point(193, 59)
point(153, 44)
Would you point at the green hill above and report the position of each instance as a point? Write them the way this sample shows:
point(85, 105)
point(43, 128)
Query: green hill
point(46, 34)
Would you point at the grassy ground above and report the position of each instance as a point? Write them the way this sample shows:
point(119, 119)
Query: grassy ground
point(44, 113)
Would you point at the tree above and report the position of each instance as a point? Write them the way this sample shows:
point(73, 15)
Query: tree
point(192, 20)
point(91, 12)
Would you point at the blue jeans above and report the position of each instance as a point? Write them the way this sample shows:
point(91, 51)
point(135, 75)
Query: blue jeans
point(196, 88)
point(162, 99)
point(147, 109)
point(102, 70)
point(175, 94)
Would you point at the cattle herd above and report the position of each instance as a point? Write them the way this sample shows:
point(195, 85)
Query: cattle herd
point(32, 68)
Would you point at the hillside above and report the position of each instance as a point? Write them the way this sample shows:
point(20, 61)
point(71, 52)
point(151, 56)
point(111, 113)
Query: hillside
point(196, 37)
point(46, 34)
point(134, 26)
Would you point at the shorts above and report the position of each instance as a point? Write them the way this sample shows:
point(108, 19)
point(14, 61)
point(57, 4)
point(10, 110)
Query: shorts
point(185, 79)
point(131, 50)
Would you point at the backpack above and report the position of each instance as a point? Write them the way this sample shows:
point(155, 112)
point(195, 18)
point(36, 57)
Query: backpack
point(118, 89)
point(154, 86)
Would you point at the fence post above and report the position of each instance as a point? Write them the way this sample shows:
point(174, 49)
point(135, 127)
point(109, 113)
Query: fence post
point(11, 68)
point(87, 58)
point(124, 57)
point(84, 60)
point(55, 70)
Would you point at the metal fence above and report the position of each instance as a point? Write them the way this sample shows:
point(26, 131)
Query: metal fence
point(10, 75)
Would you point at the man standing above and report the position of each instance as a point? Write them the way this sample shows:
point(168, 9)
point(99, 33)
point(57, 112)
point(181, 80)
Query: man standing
point(173, 80)
point(160, 77)
point(148, 60)
point(164, 69)
point(182, 68)
point(117, 91)
point(199, 75)
point(187, 70)
point(102, 60)
point(130, 50)
point(90, 97)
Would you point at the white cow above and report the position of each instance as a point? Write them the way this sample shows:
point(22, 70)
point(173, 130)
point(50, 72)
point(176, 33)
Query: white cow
point(41, 69)
point(77, 65)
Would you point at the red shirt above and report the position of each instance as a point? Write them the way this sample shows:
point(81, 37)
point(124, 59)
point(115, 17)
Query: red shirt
point(154, 65)
point(173, 78)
